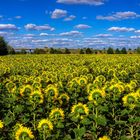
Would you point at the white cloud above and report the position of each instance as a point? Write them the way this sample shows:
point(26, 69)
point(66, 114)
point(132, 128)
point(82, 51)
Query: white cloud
point(8, 27)
point(71, 34)
point(18, 17)
point(70, 18)
point(82, 26)
point(58, 13)
point(119, 16)
point(121, 29)
point(104, 35)
point(43, 34)
point(39, 28)
point(135, 37)
point(88, 2)
point(3, 33)
point(137, 31)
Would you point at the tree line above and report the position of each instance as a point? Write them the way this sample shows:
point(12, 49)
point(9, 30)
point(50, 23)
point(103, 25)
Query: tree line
point(7, 49)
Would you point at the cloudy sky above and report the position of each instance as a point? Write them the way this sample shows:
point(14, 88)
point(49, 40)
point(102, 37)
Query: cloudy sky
point(70, 23)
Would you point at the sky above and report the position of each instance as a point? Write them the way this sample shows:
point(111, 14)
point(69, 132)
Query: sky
point(70, 23)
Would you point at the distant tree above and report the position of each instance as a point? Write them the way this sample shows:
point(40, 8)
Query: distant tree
point(124, 51)
point(138, 50)
point(3, 47)
point(67, 51)
point(110, 50)
point(52, 50)
point(117, 51)
point(23, 51)
point(82, 51)
point(39, 51)
point(88, 51)
point(10, 49)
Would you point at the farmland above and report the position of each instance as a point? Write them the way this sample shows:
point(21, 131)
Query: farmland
point(65, 97)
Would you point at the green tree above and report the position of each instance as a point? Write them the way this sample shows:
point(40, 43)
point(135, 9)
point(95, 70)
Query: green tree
point(117, 51)
point(124, 51)
point(82, 51)
point(138, 50)
point(10, 49)
point(110, 50)
point(3, 47)
point(88, 51)
point(67, 51)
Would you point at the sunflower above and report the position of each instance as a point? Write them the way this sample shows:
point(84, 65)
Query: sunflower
point(57, 113)
point(11, 87)
point(26, 90)
point(1, 124)
point(130, 100)
point(117, 88)
point(52, 91)
point(63, 97)
point(101, 78)
point(104, 138)
point(82, 81)
point(95, 95)
point(45, 124)
point(80, 109)
point(23, 133)
point(90, 88)
point(37, 96)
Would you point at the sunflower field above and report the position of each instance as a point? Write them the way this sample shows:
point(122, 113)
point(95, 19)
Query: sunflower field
point(70, 97)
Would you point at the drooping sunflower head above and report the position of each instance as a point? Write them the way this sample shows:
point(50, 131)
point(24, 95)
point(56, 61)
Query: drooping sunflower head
point(10, 86)
point(116, 89)
point(96, 95)
point(80, 109)
point(23, 133)
point(90, 88)
point(56, 114)
point(128, 88)
point(130, 100)
point(26, 90)
point(101, 78)
point(1, 124)
point(36, 85)
point(51, 92)
point(45, 124)
point(82, 81)
point(37, 96)
point(64, 98)
point(104, 138)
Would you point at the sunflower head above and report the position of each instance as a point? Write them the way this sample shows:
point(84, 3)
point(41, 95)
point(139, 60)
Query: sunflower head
point(90, 88)
point(37, 96)
point(104, 138)
point(64, 98)
point(26, 90)
point(130, 100)
point(36, 85)
point(45, 125)
point(56, 114)
point(101, 78)
point(80, 109)
point(96, 95)
point(1, 124)
point(51, 92)
point(10, 86)
point(82, 81)
point(23, 133)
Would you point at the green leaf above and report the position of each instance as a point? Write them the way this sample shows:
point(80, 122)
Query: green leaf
point(101, 120)
point(86, 121)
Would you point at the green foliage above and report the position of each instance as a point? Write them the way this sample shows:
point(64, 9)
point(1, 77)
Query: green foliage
point(3, 46)
point(110, 50)
point(93, 95)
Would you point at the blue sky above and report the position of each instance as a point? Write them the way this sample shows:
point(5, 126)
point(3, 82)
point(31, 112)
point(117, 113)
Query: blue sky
point(70, 23)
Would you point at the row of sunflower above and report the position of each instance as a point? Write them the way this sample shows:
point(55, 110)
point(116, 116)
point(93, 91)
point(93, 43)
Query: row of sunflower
point(70, 97)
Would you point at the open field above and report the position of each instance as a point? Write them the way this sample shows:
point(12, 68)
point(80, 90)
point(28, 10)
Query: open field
point(65, 97)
